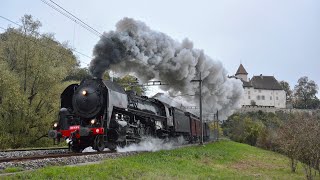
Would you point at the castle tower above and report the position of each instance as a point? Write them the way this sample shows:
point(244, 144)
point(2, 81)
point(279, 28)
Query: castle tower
point(242, 73)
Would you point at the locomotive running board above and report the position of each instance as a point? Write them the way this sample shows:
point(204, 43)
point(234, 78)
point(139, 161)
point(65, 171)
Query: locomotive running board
point(141, 113)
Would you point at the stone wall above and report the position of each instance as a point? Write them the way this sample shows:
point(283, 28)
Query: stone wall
point(246, 109)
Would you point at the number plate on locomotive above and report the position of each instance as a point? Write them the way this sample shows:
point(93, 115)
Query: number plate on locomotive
point(74, 127)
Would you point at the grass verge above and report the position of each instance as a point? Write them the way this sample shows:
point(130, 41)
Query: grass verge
point(220, 160)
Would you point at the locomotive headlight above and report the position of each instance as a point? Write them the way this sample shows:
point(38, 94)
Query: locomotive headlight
point(93, 121)
point(55, 125)
point(84, 92)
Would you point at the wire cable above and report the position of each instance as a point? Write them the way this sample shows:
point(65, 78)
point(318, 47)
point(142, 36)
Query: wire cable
point(10, 20)
point(36, 42)
point(72, 17)
point(77, 18)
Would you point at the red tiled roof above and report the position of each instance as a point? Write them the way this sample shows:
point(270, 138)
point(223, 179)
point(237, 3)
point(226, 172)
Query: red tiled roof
point(241, 70)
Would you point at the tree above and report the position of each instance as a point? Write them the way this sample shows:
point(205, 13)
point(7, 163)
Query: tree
point(12, 106)
point(78, 74)
point(243, 128)
point(305, 93)
point(298, 138)
point(287, 140)
point(130, 83)
point(286, 87)
point(36, 64)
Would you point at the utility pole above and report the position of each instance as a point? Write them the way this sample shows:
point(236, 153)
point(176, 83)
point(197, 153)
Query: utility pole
point(218, 124)
point(200, 105)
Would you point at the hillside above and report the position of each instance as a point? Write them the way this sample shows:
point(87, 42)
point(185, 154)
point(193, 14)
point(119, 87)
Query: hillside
point(222, 160)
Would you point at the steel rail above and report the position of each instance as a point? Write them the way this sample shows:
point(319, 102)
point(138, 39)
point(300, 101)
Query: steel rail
point(26, 158)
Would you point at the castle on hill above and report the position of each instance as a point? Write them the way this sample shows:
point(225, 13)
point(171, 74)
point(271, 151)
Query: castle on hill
point(261, 90)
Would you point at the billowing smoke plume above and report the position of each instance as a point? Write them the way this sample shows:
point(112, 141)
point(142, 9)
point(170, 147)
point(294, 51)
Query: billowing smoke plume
point(134, 48)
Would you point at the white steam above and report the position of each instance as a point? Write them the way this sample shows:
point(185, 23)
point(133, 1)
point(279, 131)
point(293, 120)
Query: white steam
point(152, 144)
point(134, 48)
point(147, 144)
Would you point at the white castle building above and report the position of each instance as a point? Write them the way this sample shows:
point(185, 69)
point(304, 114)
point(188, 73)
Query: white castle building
point(261, 90)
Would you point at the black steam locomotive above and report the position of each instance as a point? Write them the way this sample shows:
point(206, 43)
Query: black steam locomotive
point(101, 114)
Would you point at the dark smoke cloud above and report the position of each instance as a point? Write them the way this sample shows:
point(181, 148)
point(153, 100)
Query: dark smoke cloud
point(134, 48)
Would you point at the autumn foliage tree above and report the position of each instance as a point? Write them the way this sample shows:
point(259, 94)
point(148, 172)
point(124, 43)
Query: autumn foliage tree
point(298, 138)
point(286, 87)
point(305, 94)
point(293, 134)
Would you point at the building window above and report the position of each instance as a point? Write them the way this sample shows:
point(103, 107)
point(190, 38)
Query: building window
point(277, 98)
point(270, 97)
point(258, 97)
point(248, 97)
point(259, 91)
point(249, 93)
point(262, 97)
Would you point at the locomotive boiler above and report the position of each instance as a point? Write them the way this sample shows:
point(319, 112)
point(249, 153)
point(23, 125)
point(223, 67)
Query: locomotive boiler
point(101, 114)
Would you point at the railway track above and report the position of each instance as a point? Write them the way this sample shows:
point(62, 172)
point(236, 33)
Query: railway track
point(33, 149)
point(38, 160)
point(31, 152)
point(28, 158)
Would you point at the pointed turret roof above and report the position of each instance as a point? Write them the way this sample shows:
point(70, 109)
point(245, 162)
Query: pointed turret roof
point(241, 70)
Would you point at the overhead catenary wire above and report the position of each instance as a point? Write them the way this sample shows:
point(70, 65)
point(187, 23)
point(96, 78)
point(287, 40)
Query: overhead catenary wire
point(75, 19)
point(36, 42)
point(78, 18)
point(10, 21)
point(72, 17)
point(61, 12)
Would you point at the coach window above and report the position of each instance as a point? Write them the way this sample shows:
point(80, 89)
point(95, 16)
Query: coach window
point(170, 111)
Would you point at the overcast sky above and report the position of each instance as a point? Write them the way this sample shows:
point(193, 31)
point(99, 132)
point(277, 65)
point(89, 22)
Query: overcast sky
point(270, 37)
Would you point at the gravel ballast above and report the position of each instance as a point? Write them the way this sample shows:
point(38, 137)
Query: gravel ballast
point(13, 154)
point(39, 163)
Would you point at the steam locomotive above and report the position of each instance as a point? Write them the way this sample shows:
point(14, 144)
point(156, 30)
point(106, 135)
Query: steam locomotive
point(101, 114)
